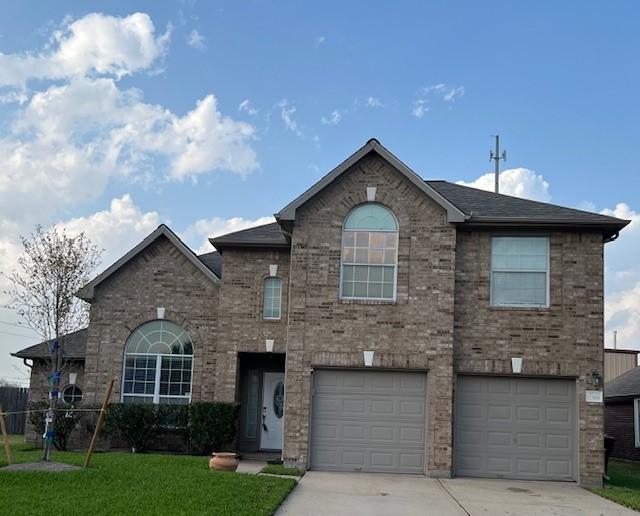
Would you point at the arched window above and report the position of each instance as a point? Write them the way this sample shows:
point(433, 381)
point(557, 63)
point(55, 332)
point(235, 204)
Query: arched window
point(158, 362)
point(272, 298)
point(369, 253)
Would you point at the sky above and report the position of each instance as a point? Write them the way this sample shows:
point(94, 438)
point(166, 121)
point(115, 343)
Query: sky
point(211, 116)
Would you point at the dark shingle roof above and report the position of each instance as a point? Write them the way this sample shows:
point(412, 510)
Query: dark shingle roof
point(481, 204)
point(213, 262)
point(75, 344)
point(627, 384)
point(269, 235)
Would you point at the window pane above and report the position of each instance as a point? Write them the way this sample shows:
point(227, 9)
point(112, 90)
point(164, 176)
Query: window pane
point(347, 273)
point(375, 273)
point(375, 256)
point(376, 240)
point(361, 273)
point(347, 289)
point(272, 298)
point(375, 290)
point(387, 290)
point(362, 255)
point(349, 239)
point(360, 289)
point(371, 216)
point(519, 253)
point(520, 288)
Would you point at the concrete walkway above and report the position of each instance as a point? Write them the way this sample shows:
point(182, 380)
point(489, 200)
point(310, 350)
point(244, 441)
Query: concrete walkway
point(326, 493)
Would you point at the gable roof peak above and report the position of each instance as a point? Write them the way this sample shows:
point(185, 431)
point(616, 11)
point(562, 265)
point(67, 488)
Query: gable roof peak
point(87, 292)
point(288, 213)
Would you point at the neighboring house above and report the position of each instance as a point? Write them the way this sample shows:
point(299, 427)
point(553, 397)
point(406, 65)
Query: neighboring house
point(622, 412)
point(373, 326)
point(618, 361)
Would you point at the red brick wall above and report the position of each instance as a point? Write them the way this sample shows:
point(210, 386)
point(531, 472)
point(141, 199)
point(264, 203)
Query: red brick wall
point(618, 423)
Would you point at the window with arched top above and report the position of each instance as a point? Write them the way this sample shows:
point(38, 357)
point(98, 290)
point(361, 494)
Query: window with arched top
point(158, 364)
point(369, 253)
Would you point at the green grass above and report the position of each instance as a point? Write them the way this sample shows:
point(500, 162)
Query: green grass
point(623, 486)
point(279, 469)
point(122, 483)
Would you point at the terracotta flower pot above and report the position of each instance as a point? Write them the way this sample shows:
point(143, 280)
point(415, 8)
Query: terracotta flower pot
point(223, 461)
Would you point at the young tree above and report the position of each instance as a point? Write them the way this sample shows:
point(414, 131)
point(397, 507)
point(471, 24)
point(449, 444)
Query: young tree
point(52, 268)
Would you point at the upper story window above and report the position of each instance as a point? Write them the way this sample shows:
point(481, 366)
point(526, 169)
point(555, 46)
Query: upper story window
point(369, 253)
point(272, 298)
point(520, 271)
point(158, 362)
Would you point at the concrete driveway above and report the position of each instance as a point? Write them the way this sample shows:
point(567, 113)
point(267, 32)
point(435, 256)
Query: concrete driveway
point(320, 493)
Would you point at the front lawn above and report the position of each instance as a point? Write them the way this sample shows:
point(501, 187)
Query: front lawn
point(122, 483)
point(624, 484)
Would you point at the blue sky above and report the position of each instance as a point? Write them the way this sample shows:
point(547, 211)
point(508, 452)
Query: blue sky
point(431, 80)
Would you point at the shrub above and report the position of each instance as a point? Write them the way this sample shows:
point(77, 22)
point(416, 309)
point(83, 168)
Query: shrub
point(212, 426)
point(139, 423)
point(64, 424)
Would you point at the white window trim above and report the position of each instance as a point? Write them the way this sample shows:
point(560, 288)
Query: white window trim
point(264, 282)
point(156, 389)
point(395, 266)
point(636, 429)
point(547, 303)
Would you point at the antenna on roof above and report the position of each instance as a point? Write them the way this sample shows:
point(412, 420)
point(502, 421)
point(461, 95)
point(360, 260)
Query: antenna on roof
point(496, 156)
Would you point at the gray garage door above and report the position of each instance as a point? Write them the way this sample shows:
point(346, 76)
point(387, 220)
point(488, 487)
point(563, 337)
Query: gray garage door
point(520, 428)
point(368, 421)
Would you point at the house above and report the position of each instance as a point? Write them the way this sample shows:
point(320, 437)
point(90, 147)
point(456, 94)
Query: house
point(383, 323)
point(621, 413)
point(618, 361)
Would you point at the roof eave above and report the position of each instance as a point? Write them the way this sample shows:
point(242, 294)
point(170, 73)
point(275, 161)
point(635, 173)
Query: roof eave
point(221, 245)
point(454, 214)
point(608, 228)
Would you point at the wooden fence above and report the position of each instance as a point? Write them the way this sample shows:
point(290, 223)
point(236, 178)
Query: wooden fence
point(14, 399)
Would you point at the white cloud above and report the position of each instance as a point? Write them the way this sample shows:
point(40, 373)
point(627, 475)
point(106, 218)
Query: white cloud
point(196, 40)
point(333, 118)
point(96, 43)
point(453, 94)
point(287, 111)
point(198, 234)
point(420, 108)
point(519, 182)
point(117, 229)
point(320, 41)
point(622, 280)
point(19, 97)
point(247, 107)
point(430, 95)
point(373, 102)
point(68, 140)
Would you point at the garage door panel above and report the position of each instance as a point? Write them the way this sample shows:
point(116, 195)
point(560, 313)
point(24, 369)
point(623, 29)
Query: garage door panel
point(378, 427)
point(515, 428)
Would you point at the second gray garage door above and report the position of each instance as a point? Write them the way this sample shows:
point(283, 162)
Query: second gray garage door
point(523, 428)
point(368, 421)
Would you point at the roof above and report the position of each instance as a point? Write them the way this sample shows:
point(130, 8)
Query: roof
point(213, 262)
point(268, 235)
point(288, 213)
point(623, 386)
point(75, 345)
point(487, 208)
point(627, 351)
point(87, 292)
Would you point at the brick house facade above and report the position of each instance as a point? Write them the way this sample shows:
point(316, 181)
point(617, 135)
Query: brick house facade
point(441, 328)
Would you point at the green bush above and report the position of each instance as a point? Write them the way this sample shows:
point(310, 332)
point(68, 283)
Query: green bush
point(64, 423)
point(212, 426)
point(139, 423)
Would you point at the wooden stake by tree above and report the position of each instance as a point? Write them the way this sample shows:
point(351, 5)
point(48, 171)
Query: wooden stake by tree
point(52, 268)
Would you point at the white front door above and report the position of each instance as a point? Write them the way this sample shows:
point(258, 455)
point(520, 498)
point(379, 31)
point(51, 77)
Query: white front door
point(272, 411)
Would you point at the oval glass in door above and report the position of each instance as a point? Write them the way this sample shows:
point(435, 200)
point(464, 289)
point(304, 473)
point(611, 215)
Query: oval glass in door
point(278, 400)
